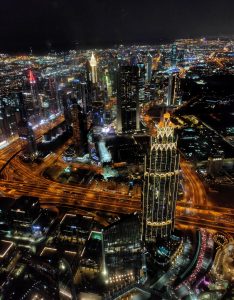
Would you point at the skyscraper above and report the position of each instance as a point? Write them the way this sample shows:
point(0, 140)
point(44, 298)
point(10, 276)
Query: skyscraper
point(83, 95)
point(66, 103)
point(88, 88)
point(128, 119)
point(53, 87)
point(25, 131)
point(79, 123)
point(161, 177)
point(149, 67)
point(76, 126)
point(174, 54)
point(172, 89)
point(141, 82)
point(108, 83)
point(5, 130)
point(34, 94)
point(93, 64)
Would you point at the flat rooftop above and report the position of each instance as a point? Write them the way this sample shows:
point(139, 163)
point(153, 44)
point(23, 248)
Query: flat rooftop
point(25, 203)
point(51, 251)
point(5, 247)
point(6, 203)
point(73, 220)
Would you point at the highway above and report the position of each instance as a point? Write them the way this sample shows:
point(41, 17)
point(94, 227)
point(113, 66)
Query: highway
point(194, 190)
point(20, 178)
point(15, 146)
point(195, 209)
point(57, 194)
point(202, 222)
point(27, 179)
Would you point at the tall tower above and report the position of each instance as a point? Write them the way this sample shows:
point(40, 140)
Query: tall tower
point(66, 104)
point(53, 87)
point(171, 92)
point(34, 94)
point(25, 131)
point(82, 95)
point(149, 67)
point(5, 131)
point(93, 64)
point(174, 54)
point(141, 82)
point(76, 124)
point(128, 118)
point(79, 128)
point(108, 83)
point(160, 189)
point(88, 87)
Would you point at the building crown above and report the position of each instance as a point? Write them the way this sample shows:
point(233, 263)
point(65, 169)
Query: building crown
point(165, 127)
point(93, 61)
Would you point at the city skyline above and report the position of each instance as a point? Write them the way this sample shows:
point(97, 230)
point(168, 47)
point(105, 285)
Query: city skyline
point(117, 172)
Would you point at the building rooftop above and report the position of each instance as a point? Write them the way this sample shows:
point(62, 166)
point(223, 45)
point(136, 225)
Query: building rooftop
point(25, 203)
point(76, 221)
point(6, 203)
point(5, 247)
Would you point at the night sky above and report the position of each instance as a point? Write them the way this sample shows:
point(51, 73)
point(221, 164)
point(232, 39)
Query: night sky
point(58, 24)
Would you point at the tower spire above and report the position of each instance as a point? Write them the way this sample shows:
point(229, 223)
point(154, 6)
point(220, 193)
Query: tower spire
point(93, 65)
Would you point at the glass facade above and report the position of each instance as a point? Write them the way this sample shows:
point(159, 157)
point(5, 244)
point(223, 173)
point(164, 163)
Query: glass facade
point(128, 99)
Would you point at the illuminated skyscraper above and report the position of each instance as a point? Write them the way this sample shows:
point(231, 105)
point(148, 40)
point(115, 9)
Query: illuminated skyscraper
point(34, 94)
point(174, 54)
point(76, 125)
point(141, 82)
point(93, 64)
point(128, 118)
point(108, 83)
point(53, 87)
point(66, 103)
point(79, 124)
point(149, 67)
point(5, 130)
point(172, 89)
point(88, 88)
point(161, 177)
point(25, 131)
point(82, 94)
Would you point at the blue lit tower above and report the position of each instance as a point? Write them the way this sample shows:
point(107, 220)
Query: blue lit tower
point(174, 54)
point(160, 189)
point(141, 82)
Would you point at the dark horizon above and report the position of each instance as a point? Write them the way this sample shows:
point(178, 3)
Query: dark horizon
point(75, 45)
point(56, 24)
